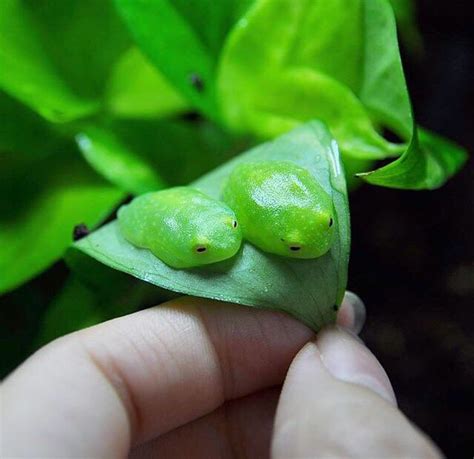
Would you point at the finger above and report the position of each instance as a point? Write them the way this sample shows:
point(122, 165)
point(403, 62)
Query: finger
point(337, 402)
point(351, 314)
point(239, 428)
point(347, 359)
point(137, 377)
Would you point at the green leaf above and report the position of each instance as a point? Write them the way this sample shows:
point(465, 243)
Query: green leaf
point(40, 205)
point(31, 76)
point(405, 12)
point(79, 304)
point(92, 38)
point(293, 75)
point(142, 155)
point(337, 61)
point(383, 90)
point(353, 167)
point(308, 289)
point(137, 90)
point(45, 46)
point(427, 162)
point(75, 307)
point(183, 39)
point(24, 132)
point(211, 20)
point(122, 167)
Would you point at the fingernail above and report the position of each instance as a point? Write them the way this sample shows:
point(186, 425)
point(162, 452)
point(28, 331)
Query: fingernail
point(349, 360)
point(352, 313)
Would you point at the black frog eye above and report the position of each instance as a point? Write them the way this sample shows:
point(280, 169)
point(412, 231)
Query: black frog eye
point(234, 224)
point(201, 248)
point(295, 248)
point(331, 222)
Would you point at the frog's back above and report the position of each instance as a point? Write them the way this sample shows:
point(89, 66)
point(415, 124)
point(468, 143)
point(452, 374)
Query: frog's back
point(181, 226)
point(146, 214)
point(282, 208)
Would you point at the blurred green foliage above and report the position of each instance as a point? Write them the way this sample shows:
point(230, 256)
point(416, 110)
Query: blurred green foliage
point(100, 99)
point(405, 12)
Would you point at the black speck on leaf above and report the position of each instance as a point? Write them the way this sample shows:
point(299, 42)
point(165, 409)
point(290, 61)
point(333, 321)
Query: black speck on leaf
point(192, 116)
point(196, 82)
point(80, 231)
point(335, 307)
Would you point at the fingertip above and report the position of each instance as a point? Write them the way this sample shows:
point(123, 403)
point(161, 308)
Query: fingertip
point(334, 404)
point(347, 359)
point(352, 313)
point(306, 363)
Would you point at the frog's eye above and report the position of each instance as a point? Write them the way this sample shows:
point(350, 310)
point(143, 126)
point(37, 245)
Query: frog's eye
point(295, 247)
point(234, 224)
point(201, 248)
point(331, 222)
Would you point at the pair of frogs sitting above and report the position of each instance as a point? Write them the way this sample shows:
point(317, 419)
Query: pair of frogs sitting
point(277, 206)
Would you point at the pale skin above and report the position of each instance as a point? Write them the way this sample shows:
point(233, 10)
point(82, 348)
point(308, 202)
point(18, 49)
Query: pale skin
point(200, 379)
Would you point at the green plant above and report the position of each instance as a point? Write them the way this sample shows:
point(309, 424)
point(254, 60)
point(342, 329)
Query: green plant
point(103, 99)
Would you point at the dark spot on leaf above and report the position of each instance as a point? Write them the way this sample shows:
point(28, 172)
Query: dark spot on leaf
point(335, 307)
point(196, 82)
point(331, 221)
point(191, 117)
point(80, 231)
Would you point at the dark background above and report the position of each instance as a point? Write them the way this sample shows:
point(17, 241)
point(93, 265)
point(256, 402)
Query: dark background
point(412, 258)
point(412, 255)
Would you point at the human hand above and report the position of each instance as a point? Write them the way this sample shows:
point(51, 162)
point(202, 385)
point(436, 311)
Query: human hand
point(197, 378)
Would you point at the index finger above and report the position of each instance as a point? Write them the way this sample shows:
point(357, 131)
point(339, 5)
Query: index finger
point(96, 392)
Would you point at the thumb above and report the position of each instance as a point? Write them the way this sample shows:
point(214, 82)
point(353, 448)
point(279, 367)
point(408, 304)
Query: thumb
point(337, 401)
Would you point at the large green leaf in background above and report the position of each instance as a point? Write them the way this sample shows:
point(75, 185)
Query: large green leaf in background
point(137, 90)
point(75, 307)
point(183, 39)
point(81, 304)
point(95, 293)
point(405, 12)
point(121, 166)
point(140, 156)
point(308, 66)
point(27, 71)
point(55, 56)
point(308, 289)
point(24, 132)
point(338, 61)
point(45, 201)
